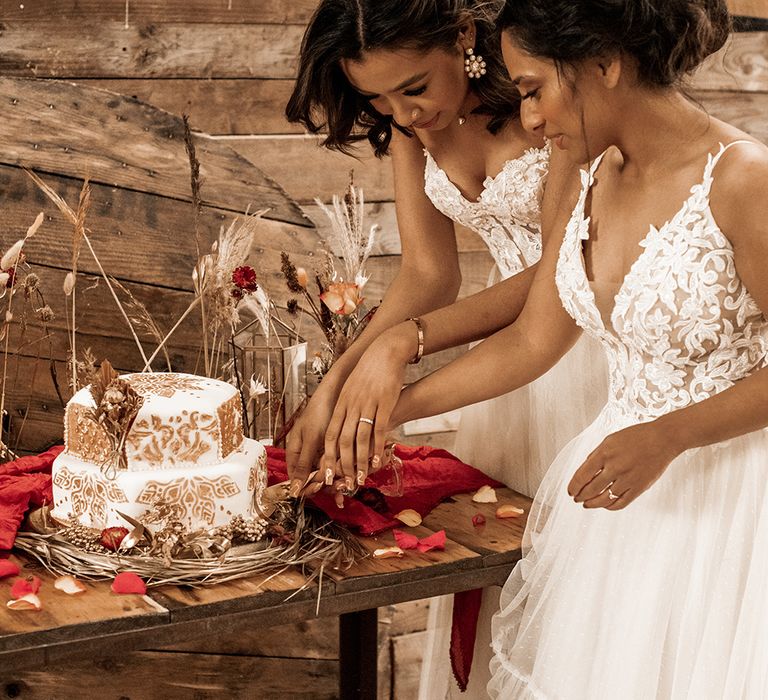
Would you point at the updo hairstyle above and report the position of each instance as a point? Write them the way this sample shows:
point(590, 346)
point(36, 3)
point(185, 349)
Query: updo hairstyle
point(668, 38)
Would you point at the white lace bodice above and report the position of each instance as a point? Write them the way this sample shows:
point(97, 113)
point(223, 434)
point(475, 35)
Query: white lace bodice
point(507, 213)
point(683, 327)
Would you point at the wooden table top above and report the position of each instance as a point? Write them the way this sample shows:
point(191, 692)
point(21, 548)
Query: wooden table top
point(100, 622)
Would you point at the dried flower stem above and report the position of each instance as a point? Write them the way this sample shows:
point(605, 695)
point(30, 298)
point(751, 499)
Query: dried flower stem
point(197, 300)
point(117, 300)
point(78, 221)
point(83, 204)
point(194, 177)
point(144, 318)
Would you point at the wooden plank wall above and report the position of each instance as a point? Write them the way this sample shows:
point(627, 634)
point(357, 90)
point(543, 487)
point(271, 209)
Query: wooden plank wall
point(229, 64)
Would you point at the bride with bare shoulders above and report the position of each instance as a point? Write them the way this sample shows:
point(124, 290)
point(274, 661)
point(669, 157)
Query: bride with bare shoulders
point(422, 81)
point(645, 551)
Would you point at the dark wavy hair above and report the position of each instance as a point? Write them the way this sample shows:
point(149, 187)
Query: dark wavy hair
point(324, 100)
point(668, 38)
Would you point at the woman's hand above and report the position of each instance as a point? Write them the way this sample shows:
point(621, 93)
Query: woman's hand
point(362, 415)
point(623, 466)
point(304, 444)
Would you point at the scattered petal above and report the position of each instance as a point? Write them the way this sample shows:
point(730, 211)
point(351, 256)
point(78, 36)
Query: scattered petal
point(485, 494)
point(30, 601)
point(405, 540)
point(128, 582)
point(409, 517)
point(9, 568)
point(509, 511)
point(25, 586)
point(478, 519)
point(388, 553)
point(69, 584)
point(435, 541)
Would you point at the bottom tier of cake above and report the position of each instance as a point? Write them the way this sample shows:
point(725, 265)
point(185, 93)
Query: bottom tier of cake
point(207, 496)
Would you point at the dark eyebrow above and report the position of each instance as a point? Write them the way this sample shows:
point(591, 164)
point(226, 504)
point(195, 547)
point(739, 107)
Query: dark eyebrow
point(521, 79)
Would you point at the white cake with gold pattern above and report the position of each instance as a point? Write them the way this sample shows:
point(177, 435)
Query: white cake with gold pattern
point(185, 446)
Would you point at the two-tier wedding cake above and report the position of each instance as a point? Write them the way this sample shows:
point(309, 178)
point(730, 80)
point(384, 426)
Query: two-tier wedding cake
point(184, 445)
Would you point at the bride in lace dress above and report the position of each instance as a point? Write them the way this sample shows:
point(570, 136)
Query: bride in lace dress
point(397, 73)
point(645, 552)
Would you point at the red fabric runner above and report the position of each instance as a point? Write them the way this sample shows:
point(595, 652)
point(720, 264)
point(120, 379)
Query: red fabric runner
point(466, 608)
point(24, 483)
point(429, 476)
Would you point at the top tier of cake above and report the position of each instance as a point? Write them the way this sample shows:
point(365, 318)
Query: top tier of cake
point(184, 420)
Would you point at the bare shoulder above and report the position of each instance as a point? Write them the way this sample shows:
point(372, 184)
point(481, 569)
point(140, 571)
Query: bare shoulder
point(738, 197)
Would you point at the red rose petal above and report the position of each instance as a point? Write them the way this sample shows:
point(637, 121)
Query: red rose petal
point(9, 568)
point(128, 582)
point(25, 586)
point(405, 540)
point(436, 541)
point(478, 520)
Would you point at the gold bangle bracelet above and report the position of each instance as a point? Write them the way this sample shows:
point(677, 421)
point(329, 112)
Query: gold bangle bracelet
point(420, 349)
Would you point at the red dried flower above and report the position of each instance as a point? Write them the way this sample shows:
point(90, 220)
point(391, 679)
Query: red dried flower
point(111, 537)
point(244, 277)
point(237, 293)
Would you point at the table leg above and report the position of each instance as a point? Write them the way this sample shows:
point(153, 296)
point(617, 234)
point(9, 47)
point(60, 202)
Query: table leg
point(358, 655)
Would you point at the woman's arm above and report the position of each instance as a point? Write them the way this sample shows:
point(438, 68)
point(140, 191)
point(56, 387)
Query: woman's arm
point(429, 277)
point(514, 356)
point(380, 372)
point(630, 461)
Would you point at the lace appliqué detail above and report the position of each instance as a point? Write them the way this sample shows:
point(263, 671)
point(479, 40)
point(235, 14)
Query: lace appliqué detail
point(683, 327)
point(507, 214)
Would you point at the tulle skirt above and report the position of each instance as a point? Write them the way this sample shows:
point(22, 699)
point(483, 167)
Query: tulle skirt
point(665, 599)
point(513, 438)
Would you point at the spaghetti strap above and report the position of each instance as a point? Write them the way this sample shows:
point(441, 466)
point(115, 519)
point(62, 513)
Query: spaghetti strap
point(714, 159)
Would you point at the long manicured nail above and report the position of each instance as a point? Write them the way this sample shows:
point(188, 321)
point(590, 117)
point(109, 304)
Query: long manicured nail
point(375, 462)
point(360, 477)
point(295, 488)
point(349, 483)
point(328, 476)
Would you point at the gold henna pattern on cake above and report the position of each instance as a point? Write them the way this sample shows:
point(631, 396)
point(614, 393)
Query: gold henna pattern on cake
point(196, 496)
point(88, 493)
point(165, 444)
point(85, 438)
point(165, 385)
point(230, 425)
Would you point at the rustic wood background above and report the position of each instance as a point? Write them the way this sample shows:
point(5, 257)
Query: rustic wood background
point(229, 65)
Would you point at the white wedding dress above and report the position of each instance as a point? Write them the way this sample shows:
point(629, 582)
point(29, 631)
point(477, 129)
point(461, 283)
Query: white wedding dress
point(515, 437)
point(665, 599)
